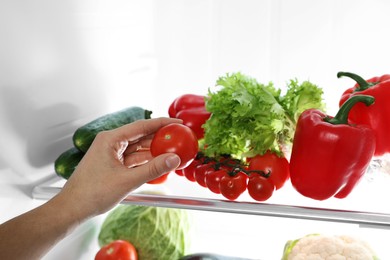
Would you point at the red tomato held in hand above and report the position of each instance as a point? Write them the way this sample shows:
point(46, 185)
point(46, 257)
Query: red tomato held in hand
point(232, 187)
point(194, 118)
point(163, 178)
point(270, 162)
point(260, 188)
point(178, 139)
point(117, 250)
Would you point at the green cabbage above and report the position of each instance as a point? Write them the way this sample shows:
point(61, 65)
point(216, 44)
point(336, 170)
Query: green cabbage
point(156, 233)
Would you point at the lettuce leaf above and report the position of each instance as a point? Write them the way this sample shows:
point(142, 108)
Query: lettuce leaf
point(249, 118)
point(300, 97)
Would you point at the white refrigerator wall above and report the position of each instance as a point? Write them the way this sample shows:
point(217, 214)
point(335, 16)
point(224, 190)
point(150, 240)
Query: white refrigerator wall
point(63, 63)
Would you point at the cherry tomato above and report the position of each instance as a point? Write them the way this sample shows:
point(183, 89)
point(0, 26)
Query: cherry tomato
point(194, 118)
point(163, 178)
point(277, 166)
point(213, 180)
point(117, 250)
point(178, 139)
point(189, 171)
point(260, 188)
point(232, 187)
point(201, 171)
point(179, 172)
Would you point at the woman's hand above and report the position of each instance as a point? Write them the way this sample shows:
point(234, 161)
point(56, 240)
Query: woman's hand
point(117, 162)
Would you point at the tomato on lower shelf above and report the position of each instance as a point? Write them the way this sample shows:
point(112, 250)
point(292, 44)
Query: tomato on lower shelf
point(117, 250)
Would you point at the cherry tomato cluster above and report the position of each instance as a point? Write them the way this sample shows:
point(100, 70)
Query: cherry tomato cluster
point(260, 176)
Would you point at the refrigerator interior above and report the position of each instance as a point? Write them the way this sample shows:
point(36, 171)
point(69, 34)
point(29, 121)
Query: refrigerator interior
point(64, 63)
point(235, 235)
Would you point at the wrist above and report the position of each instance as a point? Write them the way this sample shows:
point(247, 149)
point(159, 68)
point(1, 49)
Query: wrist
point(67, 210)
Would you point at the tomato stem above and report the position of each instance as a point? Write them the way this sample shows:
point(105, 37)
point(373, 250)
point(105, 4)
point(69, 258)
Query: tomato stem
point(262, 173)
point(233, 166)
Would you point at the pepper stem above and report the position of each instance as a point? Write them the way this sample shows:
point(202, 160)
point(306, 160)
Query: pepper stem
point(362, 83)
point(342, 115)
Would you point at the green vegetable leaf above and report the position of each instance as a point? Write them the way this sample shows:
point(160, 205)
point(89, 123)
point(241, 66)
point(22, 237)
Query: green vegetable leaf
point(156, 233)
point(246, 117)
point(288, 247)
point(249, 118)
point(300, 97)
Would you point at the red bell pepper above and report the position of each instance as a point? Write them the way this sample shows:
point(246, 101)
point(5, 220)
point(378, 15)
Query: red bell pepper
point(194, 119)
point(330, 154)
point(192, 110)
point(376, 116)
point(186, 101)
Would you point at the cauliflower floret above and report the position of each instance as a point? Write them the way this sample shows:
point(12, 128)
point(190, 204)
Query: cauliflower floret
point(321, 247)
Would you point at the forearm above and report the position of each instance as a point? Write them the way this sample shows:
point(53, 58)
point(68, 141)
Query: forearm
point(33, 234)
point(100, 181)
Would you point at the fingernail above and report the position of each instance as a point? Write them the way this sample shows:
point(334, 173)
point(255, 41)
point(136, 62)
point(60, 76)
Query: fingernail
point(172, 161)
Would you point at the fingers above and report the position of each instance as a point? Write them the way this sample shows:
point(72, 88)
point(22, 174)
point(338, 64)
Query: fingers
point(126, 150)
point(141, 128)
point(134, 136)
point(118, 162)
point(141, 145)
point(137, 158)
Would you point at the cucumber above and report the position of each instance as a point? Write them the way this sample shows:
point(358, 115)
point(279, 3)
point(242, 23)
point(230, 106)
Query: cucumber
point(84, 136)
point(67, 162)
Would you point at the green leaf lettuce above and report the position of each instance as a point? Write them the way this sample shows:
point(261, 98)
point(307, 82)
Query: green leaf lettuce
point(249, 118)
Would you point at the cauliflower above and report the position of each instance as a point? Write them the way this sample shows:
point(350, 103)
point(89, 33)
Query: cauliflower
point(322, 247)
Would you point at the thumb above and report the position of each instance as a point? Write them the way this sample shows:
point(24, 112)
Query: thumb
point(163, 163)
point(156, 167)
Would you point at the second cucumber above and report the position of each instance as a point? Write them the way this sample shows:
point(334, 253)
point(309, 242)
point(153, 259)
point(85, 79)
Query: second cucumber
point(84, 136)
